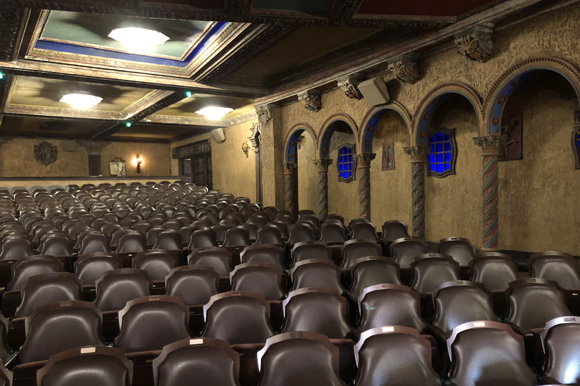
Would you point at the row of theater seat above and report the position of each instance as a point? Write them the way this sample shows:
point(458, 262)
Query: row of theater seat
point(149, 324)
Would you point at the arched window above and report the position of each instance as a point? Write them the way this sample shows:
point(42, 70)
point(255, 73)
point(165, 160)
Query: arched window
point(442, 153)
point(346, 163)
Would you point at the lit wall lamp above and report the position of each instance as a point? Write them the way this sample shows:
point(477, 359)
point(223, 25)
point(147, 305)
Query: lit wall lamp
point(245, 148)
point(138, 162)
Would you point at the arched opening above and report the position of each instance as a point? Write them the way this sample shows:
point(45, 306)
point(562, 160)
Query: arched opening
point(453, 203)
point(386, 133)
point(342, 195)
point(300, 150)
point(538, 195)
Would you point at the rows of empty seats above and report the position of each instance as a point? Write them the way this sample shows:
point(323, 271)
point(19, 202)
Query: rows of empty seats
point(189, 284)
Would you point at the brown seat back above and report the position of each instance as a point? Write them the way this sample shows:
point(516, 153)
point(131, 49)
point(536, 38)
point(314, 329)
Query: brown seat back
point(15, 248)
point(94, 242)
point(299, 358)
point(272, 254)
point(152, 322)
point(157, 263)
point(217, 258)
point(56, 246)
point(355, 249)
point(236, 237)
point(460, 301)
point(557, 266)
point(331, 232)
point(115, 288)
point(404, 251)
point(494, 270)
point(396, 355)
point(390, 305)
point(318, 310)
point(89, 268)
point(60, 326)
point(29, 266)
point(132, 242)
point(87, 366)
point(488, 353)
point(364, 231)
point(269, 234)
point(316, 274)
point(48, 288)
point(262, 278)
point(368, 271)
point(169, 240)
point(238, 317)
point(460, 249)
point(207, 361)
point(561, 342)
point(299, 233)
point(307, 250)
point(393, 230)
point(430, 270)
point(534, 302)
point(193, 284)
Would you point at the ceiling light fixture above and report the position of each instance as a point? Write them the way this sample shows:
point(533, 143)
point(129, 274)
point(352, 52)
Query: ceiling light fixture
point(188, 94)
point(214, 112)
point(1, 75)
point(81, 101)
point(138, 39)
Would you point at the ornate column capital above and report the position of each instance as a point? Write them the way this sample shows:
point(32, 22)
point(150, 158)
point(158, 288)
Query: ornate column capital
point(476, 43)
point(264, 113)
point(491, 145)
point(417, 153)
point(349, 85)
point(364, 160)
point(323, 164)
point(93, 147)
point(288, 166)
point(406, 68)
point(311, 99)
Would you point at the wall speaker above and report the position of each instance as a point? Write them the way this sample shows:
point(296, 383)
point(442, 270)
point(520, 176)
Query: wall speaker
point(375, 91)
point(70, 146)
point(219, 135)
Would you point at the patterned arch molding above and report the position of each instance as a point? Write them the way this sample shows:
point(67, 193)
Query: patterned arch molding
point(292, 140)
point(431, 102)
point(504, 87)
point(373, 117)
point(328, 129)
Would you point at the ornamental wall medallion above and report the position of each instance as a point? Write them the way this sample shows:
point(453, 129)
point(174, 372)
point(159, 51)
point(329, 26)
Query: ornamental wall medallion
point(45, 153)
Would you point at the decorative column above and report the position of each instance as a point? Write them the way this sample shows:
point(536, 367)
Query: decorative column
point(363, 165)
point(289, 186)
point(418, 159)
point(490, 147)
point(323, 165)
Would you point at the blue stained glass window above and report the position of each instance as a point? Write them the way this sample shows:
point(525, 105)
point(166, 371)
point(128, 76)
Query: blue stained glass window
point(346, 163)
point(442, 153)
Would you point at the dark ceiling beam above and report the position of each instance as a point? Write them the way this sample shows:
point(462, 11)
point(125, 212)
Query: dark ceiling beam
point(108, 129)
point(48, 135)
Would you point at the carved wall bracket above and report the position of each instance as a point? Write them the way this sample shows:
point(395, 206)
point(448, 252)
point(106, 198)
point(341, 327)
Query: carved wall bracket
point(491, 145)
point(349, 85)
point(364, 160)
point(476, 43)
point(93, 147)
point(417, 153)
point(406, 68)
point(264, 114)
point(311, 99)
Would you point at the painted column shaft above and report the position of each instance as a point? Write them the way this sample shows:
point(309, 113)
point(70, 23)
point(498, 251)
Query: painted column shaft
point(418, 159)
point(322, 165)
point(289, 187)
point(364, 187)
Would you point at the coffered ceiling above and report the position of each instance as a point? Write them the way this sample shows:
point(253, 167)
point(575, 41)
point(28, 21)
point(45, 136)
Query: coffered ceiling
point(227, 53)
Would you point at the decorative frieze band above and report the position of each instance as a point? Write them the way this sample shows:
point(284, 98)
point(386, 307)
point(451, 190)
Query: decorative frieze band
point(192, 149)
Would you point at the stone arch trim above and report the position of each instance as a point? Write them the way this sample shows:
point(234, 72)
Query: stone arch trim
point(503, 88)
point(292, 136)
point(373, 116)
point(431, 101)
point(324, 137)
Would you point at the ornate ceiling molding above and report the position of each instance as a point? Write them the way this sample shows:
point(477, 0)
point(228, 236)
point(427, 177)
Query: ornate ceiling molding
point(201, 122)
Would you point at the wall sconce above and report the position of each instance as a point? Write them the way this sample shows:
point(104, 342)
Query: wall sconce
point(245, 148)
point(138, 162)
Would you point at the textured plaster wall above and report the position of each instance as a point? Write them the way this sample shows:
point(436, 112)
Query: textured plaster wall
point(538, 196)
point(233, 172)
point(307, 175)
point(17, 159)
point(391, 190)
point(453, 205)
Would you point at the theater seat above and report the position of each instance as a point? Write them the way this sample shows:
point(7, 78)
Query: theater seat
point(262, 278)
point(217, 258)
point(364, 231)
point(202, 238)
point(169, 240)
point(89, 268)
point(94, 242)
point(404, 251)
point(157, 263)
point(393, 230)
point(307, 250)
point(318, 310)
point(6, 376)
point(238, 317)
point(29, 266)
point(269, 234)
point(355, 249)
point(430, 270)
point(460, 249)
point(394, 355)
point(60, 326)
point(15, 248)
point(194, 285)
point(87, 366)
point(236, 237)
point(331, 232)
point(494, 270)
point(372, 270)
point(299, 358)
point(316, 274)
point(561, 343)
point(48, 288)
point(132, 242)
point(557, 266)
point(272, 254)
point(201, 361)
point(152, 322)
point(488, 353)
point(115, 288)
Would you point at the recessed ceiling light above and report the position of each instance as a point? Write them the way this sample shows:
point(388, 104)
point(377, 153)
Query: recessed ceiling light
point(80, 100)
point(214, 112)
point(138, 39)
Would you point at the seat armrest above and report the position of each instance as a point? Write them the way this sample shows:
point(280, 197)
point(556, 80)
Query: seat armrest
point(438, 333)
point(520, 331)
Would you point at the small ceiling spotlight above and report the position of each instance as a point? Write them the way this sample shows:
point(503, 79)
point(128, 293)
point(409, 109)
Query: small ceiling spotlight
point(214, 112)
point(128, 124)
point(188, 94)
point(138, 39)
point(1, 75)
point(79, 100)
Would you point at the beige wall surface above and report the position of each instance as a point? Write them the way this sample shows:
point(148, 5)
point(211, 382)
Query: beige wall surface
point(17, 159)
point(307, 175)
point(233, 172)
